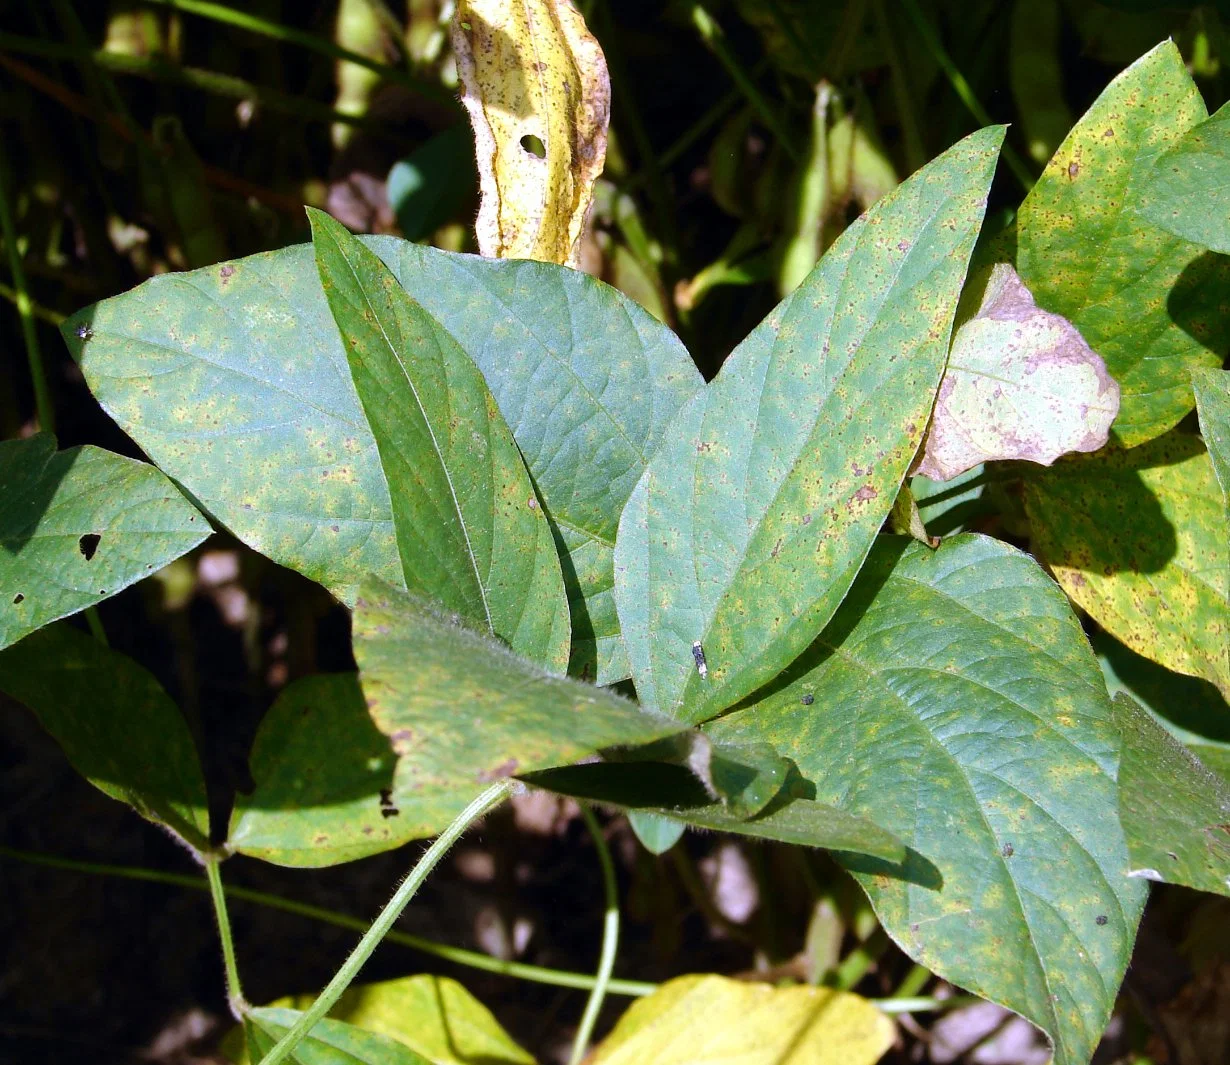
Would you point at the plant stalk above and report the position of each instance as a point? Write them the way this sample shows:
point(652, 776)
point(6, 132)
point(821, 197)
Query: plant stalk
point(490, 798)
point(963, 90)
point(457, 955)
point(25, 310)
point(610, 939)
point(711, 33)
point(234, 991)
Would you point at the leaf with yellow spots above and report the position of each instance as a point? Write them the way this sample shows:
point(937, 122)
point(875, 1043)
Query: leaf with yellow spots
point(696, 1019)
point(1212, 388)
point(471, 532)
point(588, 382)
point(958, 705)
point(535, 84)
point(1187, 189)
point(754, 515)
point(1151, 304)
point(1176, 813)
point(462, 710)
point(1138, 539)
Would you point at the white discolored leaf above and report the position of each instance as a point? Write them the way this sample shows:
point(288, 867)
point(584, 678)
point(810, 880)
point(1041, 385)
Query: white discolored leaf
point(1021, 383)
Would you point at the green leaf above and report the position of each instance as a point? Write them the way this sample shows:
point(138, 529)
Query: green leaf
point(1191, 709)
point(1148, 302)
point(433, 1016)
point(234, 381)
point(470, 529)
point(1186, 192)
point(757, 510)
point(589, 384)
point(670, 790)
point(1176, 814)
point(1212, 388)
point(1138, 539)
point(115, 723)
point(78, 526)
point(323, 777)
point(657, 832)
point(432, 184)
point(194, 367)
point(328, 1043)
point(957, 704)
point(462, 710)
point(716, 1019)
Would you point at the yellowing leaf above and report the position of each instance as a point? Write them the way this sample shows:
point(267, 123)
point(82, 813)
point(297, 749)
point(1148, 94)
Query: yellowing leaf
point(1021, 383)
point(433, 1016)
point(1138, 540)
point(696, 1020)
point(536, 87)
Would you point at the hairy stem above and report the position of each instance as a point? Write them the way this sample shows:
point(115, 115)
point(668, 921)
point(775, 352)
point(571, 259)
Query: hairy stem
point(610, 939)
point(490, 798)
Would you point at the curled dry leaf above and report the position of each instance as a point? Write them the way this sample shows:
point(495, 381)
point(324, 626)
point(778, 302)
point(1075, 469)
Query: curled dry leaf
point(1021, 383)
point(536, 87)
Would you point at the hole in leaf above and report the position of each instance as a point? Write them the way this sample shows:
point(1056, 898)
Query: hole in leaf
point(18, 598)
point(534, 146)
point(88, 544)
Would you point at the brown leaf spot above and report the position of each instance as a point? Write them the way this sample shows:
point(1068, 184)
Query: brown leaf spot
point(505, 769)
point(866, 493)
point(1073, 169)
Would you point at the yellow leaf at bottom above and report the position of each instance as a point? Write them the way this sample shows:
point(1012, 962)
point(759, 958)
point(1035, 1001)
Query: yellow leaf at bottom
point(696, 1020)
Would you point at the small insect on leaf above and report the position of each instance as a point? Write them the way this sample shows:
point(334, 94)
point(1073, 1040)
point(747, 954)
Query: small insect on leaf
point(698, 653)
point(84, 332)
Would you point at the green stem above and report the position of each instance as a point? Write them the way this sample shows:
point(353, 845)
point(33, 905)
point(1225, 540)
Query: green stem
point(924, 1005)
point(172, 73)
point(915, 980)
point(244, 20)
point(25, 310)
point(457, 955)
point(95, 625)
point(855, 965)
point(963, 90)
point(45, 314)
point(234, 992)
point(711, 33)
point(610, 939)
point(490, 798)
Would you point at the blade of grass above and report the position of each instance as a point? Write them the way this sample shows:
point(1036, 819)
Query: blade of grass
point(961, 87)
point(457, 955)
point(195, 78)
point(43, 407)
point(715, 39)
point(250, 23)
